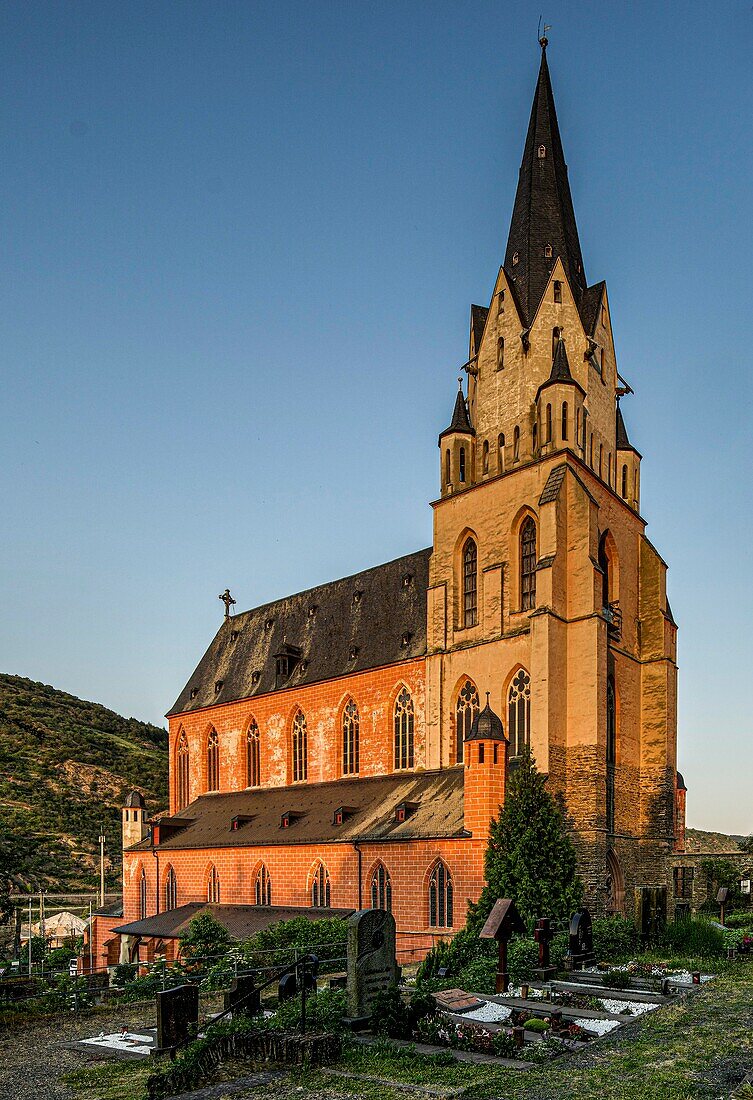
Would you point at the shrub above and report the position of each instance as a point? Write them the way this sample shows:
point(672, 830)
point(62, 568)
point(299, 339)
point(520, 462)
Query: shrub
point(615, 938)
point(522, 957)
point(275, 946)
point(740, 920)
point(390, 1015)
point(325, 1011)
point(698, 938)
point(535, 1024)
point(616, 979)
point(465, 948)
point(124, 973)
point(504, 1045)
point(478, 976)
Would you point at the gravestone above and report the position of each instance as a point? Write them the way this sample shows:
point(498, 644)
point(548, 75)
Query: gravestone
point(650, 911)
point(456, 1000)
point(243, 998)
point(289, 984)
point(544, 934)
point(503, 920)
point(581, 947)
point(372, 965)
point(177, 1016)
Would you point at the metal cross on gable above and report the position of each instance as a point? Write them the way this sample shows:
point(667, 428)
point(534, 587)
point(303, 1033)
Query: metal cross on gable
point(228, 601)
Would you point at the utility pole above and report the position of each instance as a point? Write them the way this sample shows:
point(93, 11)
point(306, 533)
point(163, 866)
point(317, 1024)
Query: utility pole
point(91, 947)
point(29, 930)
point(101, 868)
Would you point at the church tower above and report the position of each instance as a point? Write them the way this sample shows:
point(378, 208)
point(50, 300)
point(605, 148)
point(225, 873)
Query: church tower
point(544, 591)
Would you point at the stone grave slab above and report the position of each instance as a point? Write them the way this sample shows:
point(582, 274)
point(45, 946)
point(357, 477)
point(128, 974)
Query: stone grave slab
point(177, 1016)
point(457, 1000)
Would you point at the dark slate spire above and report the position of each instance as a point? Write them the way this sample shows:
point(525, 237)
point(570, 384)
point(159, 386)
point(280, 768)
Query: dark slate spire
point(543, 213)
point(560, 365)
point(486, 726)
point(623, 443)
point(460, 420)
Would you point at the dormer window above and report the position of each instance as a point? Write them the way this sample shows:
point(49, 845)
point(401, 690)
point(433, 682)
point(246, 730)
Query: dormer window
point(194, 692)
point(239, 821)
point(357, 597)
point(218, 686)
point(405, 639)
point(547, 252)
point(342, 813)
point(404, 810)
point(407, 580)
point(289, 818)
point(233, 635)
point(269, 624)
point(255, 676)
point(557, 291)
point(542, 152)
point(313, 610)
point(285, 662)
point(353, 652)
point(515, 258)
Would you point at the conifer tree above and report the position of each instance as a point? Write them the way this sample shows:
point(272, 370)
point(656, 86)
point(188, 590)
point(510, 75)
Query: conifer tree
point(530, 856)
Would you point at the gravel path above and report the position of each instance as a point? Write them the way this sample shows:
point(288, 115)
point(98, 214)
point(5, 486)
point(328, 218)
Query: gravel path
point(33, 1058)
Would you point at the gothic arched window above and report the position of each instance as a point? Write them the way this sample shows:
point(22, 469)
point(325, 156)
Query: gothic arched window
point(564, 420)
point(528, 564)
point(556, 334)
point(519, 712)
point(142, 894)
point(466, 709)
point(300, 747)
point(624, 482)
point(470, 583)
point(516, 444)
point(213, 761)
point(351, 738)
point(447, 468)
point(440, 897)
point(557, 291)
point(485, 453)
point(500, 353)
point(547, 252)
point(171, 890)
point(403, 730)
point(501, 454)
point(461, 468)
point(183, 771)
point(263, 887)
point(213, 886)
point(253, 770)
point(549, 424)
point(320, 888)
point(381, 888)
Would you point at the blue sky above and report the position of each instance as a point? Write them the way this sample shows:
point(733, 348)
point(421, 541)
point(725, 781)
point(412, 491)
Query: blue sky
point(240, 242)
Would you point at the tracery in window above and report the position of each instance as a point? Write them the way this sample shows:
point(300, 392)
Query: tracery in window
point(320, 888)
point(183, 770)
point(470, 583)
point(171, 890)
point(440, 897)
point(466, 709)
point(252, 755)
point(213, 886)
point(351, 738)
point(213, 761)
point(381, 888)
point(528, 564)
point(519, 712)
point(263, 887)
point(403, 730)
point(300, 747)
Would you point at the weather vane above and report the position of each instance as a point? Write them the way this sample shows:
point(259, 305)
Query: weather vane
point(543, 40)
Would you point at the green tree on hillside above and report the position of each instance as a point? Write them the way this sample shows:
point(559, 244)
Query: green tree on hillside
point(530, 856)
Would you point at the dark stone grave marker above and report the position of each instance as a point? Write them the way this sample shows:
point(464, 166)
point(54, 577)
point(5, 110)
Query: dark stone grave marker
point(581, 948)
point(372, 963)
point(544, 934)
point(243, 998)
point(177, 1016)
point(503, 920)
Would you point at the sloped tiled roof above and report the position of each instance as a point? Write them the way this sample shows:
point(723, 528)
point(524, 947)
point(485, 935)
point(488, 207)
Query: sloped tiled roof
point(478, 323)
point(241, 921)
point(438, 796)
point(374, 618)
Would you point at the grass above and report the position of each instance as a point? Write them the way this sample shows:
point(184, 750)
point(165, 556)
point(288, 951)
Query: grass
point(696, 1049)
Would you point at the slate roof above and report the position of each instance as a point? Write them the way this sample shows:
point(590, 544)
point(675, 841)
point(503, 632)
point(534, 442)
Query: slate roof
point(589, 306)
point(112, 909)
point(479, 315)
point(460, 420)
point(681, 782)
point(371, 803)
point(241, 921)
point(371, 619)
point(623, 443)
point(553, 485)
point(543, 213)
point(486, 726)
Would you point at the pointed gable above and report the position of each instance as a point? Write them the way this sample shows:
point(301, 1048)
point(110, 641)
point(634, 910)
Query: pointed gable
point(543, 217)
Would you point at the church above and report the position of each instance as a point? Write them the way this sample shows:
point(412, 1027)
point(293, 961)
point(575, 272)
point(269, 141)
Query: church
point(347, 747)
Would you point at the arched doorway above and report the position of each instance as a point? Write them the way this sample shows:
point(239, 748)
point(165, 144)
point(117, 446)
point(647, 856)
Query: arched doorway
point(615, 886)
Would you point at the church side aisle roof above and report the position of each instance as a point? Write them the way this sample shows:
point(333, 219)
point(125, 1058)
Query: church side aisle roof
point(371, 619)
point(371, 801)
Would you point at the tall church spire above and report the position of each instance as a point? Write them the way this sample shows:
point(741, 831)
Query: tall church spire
point(543, 220)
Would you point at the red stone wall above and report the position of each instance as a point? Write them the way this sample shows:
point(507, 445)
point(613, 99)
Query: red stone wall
point(374, 693)
point(291, 868)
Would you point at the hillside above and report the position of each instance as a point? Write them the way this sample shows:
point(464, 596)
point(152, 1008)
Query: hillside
point(65, 766)
point(699, 840)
